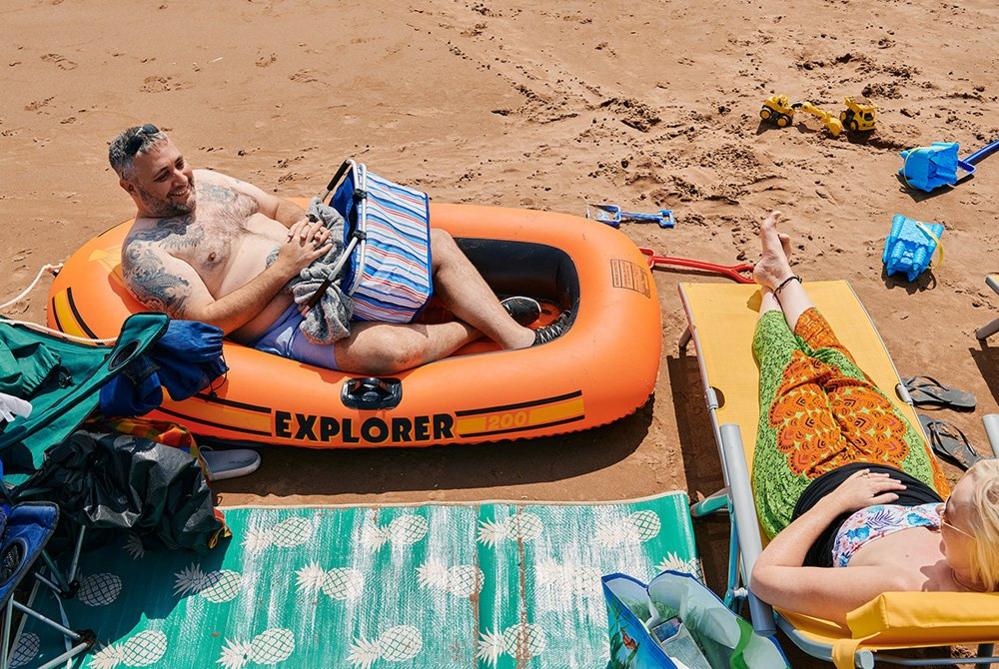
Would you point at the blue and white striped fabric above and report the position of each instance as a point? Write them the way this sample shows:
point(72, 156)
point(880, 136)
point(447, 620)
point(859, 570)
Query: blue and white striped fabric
point(390, 277)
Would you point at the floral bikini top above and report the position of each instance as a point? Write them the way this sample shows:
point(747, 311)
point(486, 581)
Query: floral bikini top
point(880, 520)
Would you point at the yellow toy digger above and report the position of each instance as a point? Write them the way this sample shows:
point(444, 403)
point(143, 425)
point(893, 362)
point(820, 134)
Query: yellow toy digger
point(860, 114)
point(779, 110)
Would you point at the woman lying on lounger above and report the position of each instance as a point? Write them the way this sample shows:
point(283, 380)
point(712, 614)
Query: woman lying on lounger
point(840, 477)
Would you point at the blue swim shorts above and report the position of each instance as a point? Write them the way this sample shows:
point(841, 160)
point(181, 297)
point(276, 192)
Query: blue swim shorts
point(283, 338)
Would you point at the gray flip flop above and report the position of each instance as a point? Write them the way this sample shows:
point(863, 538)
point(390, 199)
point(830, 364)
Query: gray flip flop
point(926, 391)
point(949, 443)
point(230, 463)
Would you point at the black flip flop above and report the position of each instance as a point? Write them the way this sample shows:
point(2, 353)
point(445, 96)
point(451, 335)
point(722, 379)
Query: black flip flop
point(927, 391)
point(949, 443)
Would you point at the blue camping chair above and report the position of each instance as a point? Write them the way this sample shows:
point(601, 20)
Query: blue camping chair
point(25, 529)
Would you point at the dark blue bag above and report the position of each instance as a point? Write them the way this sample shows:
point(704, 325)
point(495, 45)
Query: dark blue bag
point(186, 359)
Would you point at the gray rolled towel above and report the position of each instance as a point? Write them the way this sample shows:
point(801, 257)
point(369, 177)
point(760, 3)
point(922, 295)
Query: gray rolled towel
point(329, 319)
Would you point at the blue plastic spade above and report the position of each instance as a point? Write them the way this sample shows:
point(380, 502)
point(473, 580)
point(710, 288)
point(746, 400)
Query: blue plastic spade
point(614, 216)
point(930, 167)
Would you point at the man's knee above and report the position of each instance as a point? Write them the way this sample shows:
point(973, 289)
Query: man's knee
point(387, 353)
point(441, 242)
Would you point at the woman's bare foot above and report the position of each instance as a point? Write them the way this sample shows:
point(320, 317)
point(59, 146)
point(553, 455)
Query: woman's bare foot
point(774, 265)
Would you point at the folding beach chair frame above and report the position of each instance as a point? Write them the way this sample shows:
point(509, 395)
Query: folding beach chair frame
point(62, 585)
point(986, 331)
point(745, 545)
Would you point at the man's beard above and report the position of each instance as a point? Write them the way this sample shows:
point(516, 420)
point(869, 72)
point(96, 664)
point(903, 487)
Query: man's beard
point(159, 208)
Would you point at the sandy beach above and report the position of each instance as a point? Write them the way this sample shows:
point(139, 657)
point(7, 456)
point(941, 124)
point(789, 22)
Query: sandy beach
point(544, 105)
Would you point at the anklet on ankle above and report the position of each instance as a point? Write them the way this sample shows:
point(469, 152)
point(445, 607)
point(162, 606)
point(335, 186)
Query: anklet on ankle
point(786, 281)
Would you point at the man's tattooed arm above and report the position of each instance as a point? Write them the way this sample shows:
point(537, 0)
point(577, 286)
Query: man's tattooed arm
point(155, 286)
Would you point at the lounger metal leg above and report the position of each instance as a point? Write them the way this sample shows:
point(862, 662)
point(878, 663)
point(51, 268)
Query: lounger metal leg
point(734, 593)
point(987, 331)
point(745, 521)
point(684, 339)
point(991, 422)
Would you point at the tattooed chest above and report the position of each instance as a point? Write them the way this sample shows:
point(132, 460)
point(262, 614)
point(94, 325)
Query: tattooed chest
point(212, 253)
point(223, 207)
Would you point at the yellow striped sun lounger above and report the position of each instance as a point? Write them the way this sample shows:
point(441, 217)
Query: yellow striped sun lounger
point(721, 322)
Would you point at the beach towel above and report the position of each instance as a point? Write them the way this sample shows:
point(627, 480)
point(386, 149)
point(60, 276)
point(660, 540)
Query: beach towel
point(327, 318)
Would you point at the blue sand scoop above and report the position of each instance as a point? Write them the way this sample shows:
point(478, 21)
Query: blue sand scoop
point(614, 216)
point(930, 167)
point(910, 246)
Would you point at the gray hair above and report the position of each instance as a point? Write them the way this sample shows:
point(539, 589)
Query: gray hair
point(119, 156)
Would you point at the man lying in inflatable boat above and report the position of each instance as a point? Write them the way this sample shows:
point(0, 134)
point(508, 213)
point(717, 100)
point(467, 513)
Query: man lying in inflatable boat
point(211, 248)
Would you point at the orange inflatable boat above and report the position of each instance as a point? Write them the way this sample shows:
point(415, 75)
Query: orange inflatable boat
point(602, 369)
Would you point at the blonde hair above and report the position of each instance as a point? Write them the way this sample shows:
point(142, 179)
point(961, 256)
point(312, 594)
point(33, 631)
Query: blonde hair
point(984, 520)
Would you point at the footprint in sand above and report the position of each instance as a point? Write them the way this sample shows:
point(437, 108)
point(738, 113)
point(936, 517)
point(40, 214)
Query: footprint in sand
point(37, 105)
point(61, 61)
point(266, 61)
point(303, 77)
point(160, 84)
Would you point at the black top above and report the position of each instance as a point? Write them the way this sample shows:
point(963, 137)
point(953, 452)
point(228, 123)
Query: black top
point(820, 554)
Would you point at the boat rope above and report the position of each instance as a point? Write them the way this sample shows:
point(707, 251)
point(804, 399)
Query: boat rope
point(53, 269)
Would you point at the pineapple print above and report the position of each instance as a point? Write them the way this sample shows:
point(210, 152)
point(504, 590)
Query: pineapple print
point(286, 534)
point(133, 546)
point(340, 583)
point(521, 642)
point(24, 650)
point(631, 530)
point(215, 586)
point(673, 562)
point(463, 580)
point(267, 648)
point(142, 650)
point(522, 526)
point(99, 589)
point(403, 531)
point(567, 580)
point(396, 644)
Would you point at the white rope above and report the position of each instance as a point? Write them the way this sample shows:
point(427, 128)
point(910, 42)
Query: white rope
point(59, 333)
point(54, 270)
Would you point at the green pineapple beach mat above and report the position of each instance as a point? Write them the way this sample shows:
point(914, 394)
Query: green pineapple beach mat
point(495, 585)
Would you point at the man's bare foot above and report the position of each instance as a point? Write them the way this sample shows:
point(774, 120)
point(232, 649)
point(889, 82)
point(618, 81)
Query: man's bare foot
point(773, 266)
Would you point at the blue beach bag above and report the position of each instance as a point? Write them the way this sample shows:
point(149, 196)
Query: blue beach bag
point(725, 639)
point(387, 236)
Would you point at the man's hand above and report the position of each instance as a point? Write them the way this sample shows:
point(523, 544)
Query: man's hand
point(306, 242)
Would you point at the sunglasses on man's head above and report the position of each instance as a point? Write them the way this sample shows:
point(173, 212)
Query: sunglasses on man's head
point(135, 141)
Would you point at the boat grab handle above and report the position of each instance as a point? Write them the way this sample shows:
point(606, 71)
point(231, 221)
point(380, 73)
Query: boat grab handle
point(371, 392)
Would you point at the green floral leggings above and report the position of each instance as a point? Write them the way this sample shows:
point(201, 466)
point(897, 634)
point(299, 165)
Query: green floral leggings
point(819, 411)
